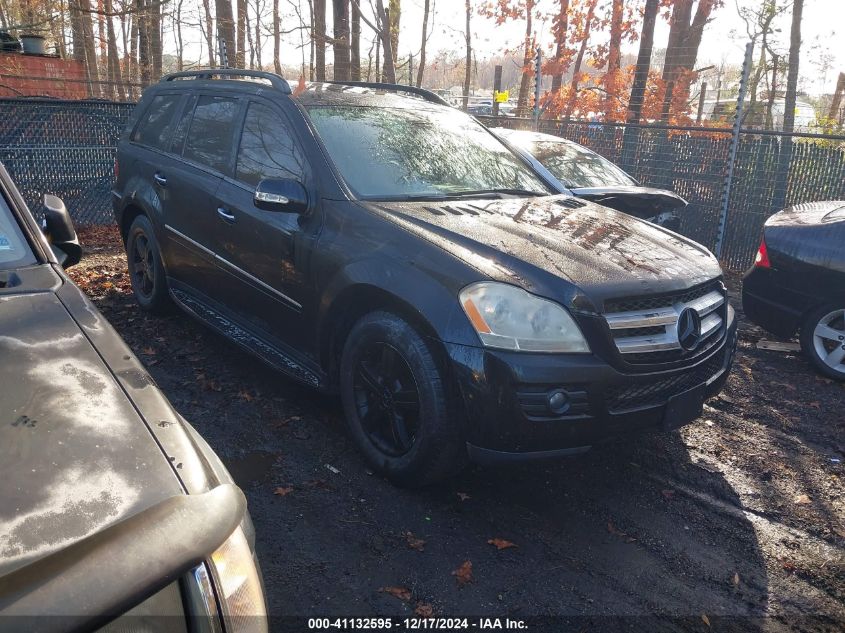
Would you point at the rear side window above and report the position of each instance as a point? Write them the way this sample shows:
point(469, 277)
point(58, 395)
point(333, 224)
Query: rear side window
point(181, 128)
point(268, 148)
point(209, 140)
point(156, 125)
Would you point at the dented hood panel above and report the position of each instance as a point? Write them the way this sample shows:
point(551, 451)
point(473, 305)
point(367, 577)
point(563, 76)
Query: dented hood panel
point(75, 455)
point(533, 241)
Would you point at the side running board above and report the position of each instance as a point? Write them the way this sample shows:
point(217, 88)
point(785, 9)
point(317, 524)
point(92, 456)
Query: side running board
point(270, 354)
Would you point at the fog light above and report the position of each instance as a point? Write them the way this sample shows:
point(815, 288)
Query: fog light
point(558, 401)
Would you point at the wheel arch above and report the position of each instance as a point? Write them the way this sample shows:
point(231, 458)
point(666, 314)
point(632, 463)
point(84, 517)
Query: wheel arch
point(363, 288)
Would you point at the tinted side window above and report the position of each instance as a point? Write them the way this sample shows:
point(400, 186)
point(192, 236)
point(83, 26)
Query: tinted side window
point(180, 131)
point(268, 148)
point(210, 137)
point(155, 128)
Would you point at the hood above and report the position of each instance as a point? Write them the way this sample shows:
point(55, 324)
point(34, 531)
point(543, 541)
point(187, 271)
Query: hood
point(624, 197)
point(809, 213)
point(76, 455)
point(536, 242)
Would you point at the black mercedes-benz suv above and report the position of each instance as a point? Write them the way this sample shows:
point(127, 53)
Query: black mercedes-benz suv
point(113, 510)
point(367, 239)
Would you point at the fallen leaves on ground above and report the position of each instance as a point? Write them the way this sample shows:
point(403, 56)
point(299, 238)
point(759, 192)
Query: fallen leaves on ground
point(414, 542)
point(463, 574)
point(463, 496)
point(801, 500)
point(705, 619)
point(283, 491)
point(736, 579)
point(398, 592)
point(668, 494)
point(501, 543)
point(424, 610)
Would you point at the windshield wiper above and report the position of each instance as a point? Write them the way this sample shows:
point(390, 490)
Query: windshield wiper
point(495, 193)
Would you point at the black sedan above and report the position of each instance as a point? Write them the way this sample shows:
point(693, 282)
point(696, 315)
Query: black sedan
point(111, 505)
point(797, 282)
point(572, 168)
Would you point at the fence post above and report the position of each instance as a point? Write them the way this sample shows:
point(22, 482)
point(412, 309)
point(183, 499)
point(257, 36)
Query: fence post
point(538, 81)
point(740, 105)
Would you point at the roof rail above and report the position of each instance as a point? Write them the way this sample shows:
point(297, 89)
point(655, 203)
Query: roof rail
point(208, 73)
point(428, 95)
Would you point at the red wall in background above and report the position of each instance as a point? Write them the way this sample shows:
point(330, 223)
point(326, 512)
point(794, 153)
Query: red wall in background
point(42, 76)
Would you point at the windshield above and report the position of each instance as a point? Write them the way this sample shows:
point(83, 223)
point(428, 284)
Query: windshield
point(395, 153)
point(576, 166)
point(14, 251)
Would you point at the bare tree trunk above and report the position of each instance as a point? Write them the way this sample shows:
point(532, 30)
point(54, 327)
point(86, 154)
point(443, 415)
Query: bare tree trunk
point(561, 26)
point(113, 57)
point(258, 61)
point(209, 32)
point(249, 44)
point(792, 69)
point(378, 59)
point(576, 69)
point(240, 56)
point(355, 52)
point(340, 13)
point(134, 54)
point(143, 18)
point(91, 67)
point(180, 47)
point(390, 34)
point(685, 33)
point(424, 41)
point(277, 38)
point(226, 29)
point(156, 49)
point(635, 102)
point(614, 56)
point(468, 63)
point(525, 80)
point(320, 39)
point(389, 68)
point(785, 155)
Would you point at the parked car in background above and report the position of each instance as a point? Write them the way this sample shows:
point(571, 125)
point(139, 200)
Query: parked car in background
point(111, 505)
point(391, 249)
point(797, 283)
point(572, 168)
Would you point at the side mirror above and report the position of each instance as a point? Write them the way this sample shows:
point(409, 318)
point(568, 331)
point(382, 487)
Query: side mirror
point(281, 194)
point(58, 227)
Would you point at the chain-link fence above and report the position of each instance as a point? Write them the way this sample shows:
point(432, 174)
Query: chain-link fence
point(770, 172)
point(67, 148)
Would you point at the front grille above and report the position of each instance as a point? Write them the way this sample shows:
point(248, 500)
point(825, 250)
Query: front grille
point(646, 329)
point(658, 392)
point(631, 304)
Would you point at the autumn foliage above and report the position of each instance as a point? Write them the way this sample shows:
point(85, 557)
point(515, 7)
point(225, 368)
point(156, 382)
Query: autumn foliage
point(585, 60)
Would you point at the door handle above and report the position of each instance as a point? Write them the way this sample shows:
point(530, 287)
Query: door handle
point(161, 180)
point(228, 217)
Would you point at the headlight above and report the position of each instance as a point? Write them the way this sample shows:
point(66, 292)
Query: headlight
point(239, 586)
point(508, 317)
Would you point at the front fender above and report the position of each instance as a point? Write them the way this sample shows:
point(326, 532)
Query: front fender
point(429, 299)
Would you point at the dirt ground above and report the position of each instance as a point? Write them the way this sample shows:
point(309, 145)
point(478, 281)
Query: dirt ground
point(737, 522)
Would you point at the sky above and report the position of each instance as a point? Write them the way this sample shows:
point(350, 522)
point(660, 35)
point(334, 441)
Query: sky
point(823, 28)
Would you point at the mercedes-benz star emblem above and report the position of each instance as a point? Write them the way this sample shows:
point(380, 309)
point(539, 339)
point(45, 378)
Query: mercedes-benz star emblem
point(689, 329)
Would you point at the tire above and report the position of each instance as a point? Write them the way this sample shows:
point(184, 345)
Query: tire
point(146, 270)
point(823, 339)
point(412, 441)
